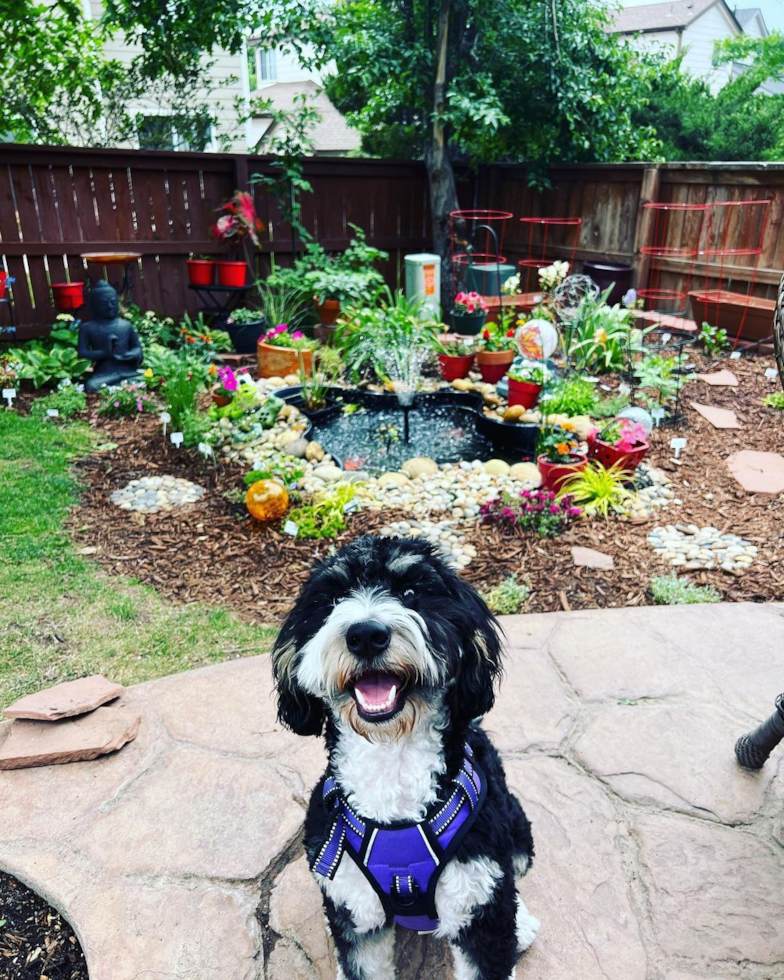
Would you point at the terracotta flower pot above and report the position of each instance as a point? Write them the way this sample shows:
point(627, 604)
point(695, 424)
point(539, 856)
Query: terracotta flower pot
point(201, 272)
point(219, 400)
point(524, 393)
point(468, 324)
point(554, 475)
point(729, 311)
point(68, 295)
point(277, 362)
point(454, 367)
point(608, 455)
point(232, 273)
point(328, 311)
point(494, 364)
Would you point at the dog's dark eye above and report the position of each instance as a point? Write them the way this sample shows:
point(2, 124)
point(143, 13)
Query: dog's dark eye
point(408, 593)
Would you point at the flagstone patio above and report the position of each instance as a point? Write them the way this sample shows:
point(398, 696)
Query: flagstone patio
point(657, 858)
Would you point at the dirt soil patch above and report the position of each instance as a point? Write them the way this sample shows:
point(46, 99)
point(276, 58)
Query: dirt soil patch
point(35, 941)
point(214, 552)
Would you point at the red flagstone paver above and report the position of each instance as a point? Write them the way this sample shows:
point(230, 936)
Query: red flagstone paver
point(653, 849)
point(721, 378)
point(47, 743)
point(719, 418)
point(590, 558)
point(65, 700)
point(757, 472)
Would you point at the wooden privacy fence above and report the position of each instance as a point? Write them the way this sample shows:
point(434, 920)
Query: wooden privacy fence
point(59, 202)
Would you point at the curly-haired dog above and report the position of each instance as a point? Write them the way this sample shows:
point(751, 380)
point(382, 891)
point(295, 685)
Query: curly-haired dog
point(390, 654)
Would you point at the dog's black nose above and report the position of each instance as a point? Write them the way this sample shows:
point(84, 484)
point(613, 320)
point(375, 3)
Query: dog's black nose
point(368, 639)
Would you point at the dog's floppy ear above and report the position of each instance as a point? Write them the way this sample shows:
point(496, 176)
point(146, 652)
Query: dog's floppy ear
point(297, 709)
point(480, 664)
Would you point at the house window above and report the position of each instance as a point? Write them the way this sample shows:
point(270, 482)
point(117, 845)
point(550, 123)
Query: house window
point(162, 132)
point(267, 68)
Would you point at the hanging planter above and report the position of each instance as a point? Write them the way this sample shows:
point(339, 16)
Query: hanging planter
point(468, 324)
point(68, 295)
point(232, 273)
point(201, 272)
point(554, 475)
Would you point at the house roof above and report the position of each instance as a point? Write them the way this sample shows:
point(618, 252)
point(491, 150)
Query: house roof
point(746, 16)
point(676, 15)
point(333, 134)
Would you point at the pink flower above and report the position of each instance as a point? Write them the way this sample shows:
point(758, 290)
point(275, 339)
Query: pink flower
point(116, 404)
point(297, 335)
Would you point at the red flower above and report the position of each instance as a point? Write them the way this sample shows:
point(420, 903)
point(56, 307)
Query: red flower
point(486, 334)
point(510, 333)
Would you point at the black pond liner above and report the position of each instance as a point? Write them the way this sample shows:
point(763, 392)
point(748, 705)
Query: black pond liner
point(490, 437)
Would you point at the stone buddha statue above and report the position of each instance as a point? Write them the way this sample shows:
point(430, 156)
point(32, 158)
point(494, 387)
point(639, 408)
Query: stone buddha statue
point(109, 341)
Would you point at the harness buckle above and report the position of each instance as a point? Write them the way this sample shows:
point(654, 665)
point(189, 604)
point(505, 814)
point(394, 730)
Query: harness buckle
point(405, 890)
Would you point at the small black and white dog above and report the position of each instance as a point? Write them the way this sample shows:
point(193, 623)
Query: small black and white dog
point(393, 656)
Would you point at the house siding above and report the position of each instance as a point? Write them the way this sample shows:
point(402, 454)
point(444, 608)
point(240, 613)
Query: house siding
point(699, 40)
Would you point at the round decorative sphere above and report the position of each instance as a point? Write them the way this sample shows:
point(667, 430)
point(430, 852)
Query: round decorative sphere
point(267, 500)
point(537, 339)
point(638, 415)
point(570, 293)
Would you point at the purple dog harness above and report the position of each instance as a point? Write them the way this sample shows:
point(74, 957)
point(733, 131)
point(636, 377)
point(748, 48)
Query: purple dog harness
point(403, 861)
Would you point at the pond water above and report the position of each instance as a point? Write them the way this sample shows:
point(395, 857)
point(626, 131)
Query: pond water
point(372, 437)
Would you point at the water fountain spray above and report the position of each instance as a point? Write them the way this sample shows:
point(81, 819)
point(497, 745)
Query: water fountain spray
point(404, 370)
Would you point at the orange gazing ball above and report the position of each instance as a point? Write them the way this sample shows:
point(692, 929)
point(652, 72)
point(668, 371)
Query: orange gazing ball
point(267, 500)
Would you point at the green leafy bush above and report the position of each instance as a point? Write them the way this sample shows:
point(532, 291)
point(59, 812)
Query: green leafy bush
point(179, 391)
point(326, 516)
point(776, 400)
point(128, 398)
point(713, 339)
point(287, 469)
point(659, 374)
point(669, 590)
point(67, 401)
point(574, 396)
point(609, 407)
point(506, 598)
point(602, 337)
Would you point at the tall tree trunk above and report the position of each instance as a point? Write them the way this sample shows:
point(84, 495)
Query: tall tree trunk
point(441, 178)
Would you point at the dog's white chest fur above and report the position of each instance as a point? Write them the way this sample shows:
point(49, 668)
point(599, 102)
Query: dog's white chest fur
point(387, 781)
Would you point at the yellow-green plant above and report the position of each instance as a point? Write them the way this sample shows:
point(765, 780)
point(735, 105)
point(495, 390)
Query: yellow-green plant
point(599, 491)
point(326, 515)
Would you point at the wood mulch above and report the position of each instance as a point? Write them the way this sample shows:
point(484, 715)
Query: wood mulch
point(36, 943)
point(213, 552)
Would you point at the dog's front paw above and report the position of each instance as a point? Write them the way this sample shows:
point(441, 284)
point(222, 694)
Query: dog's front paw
point(521, 863)
point(526, 926)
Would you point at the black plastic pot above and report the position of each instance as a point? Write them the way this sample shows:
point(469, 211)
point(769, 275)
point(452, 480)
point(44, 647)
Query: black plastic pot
point(468, 324)
point(245, 336)
point(604, 274)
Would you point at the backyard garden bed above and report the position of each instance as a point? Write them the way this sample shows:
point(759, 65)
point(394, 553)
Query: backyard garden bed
point(214, 552)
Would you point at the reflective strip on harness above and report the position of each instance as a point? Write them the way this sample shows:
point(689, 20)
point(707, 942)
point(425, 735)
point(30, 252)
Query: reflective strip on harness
point(402, 862)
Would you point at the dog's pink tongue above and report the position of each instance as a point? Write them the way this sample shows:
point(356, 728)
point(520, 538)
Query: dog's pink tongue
point(375, 687)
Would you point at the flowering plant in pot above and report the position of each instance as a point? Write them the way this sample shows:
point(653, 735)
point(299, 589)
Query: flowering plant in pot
point(469, 313)
point(455, 360)
point(201, 270)
point(236, 225)
point(496, 349)
point(279, 352)
point(526, 381)
point(245, 326)
point(557, 456)
point(622, 443)
point(226, 387)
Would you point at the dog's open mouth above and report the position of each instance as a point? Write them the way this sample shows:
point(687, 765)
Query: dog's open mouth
point(379, 695)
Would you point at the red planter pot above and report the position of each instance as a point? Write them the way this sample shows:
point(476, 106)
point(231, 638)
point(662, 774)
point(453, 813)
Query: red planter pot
point(524, 393)
point(493, 364)
point(328, 311)
point(3, 277)
point(232, 273)
point(68, 295)
point(201, 272)
point(453, 367)
point(729, 311)
point(609, 455)
point(554, 475)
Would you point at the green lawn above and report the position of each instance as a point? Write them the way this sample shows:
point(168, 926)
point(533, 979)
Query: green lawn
point(61, 616)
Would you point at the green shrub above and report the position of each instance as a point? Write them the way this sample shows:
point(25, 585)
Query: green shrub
point(128, 398)
point(609, 407)
point(574, 396)
point(713, 339)
point(776, 400)
point(669, 590)
point(67, 401)
point(326, 516)
point(506, 598)
point(598, 490)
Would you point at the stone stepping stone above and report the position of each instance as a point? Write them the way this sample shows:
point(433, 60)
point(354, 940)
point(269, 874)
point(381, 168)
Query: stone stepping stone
point(26, 744)
point(719, 418)
point(757, 472)
point(152, 494)
point(724, 379)
point(65, 700)
point(589, 558)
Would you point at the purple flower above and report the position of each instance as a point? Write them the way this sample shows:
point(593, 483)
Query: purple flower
point(554, 509)
point(629, 297)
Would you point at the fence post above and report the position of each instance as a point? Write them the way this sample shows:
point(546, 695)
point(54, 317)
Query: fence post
point(649, 193)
